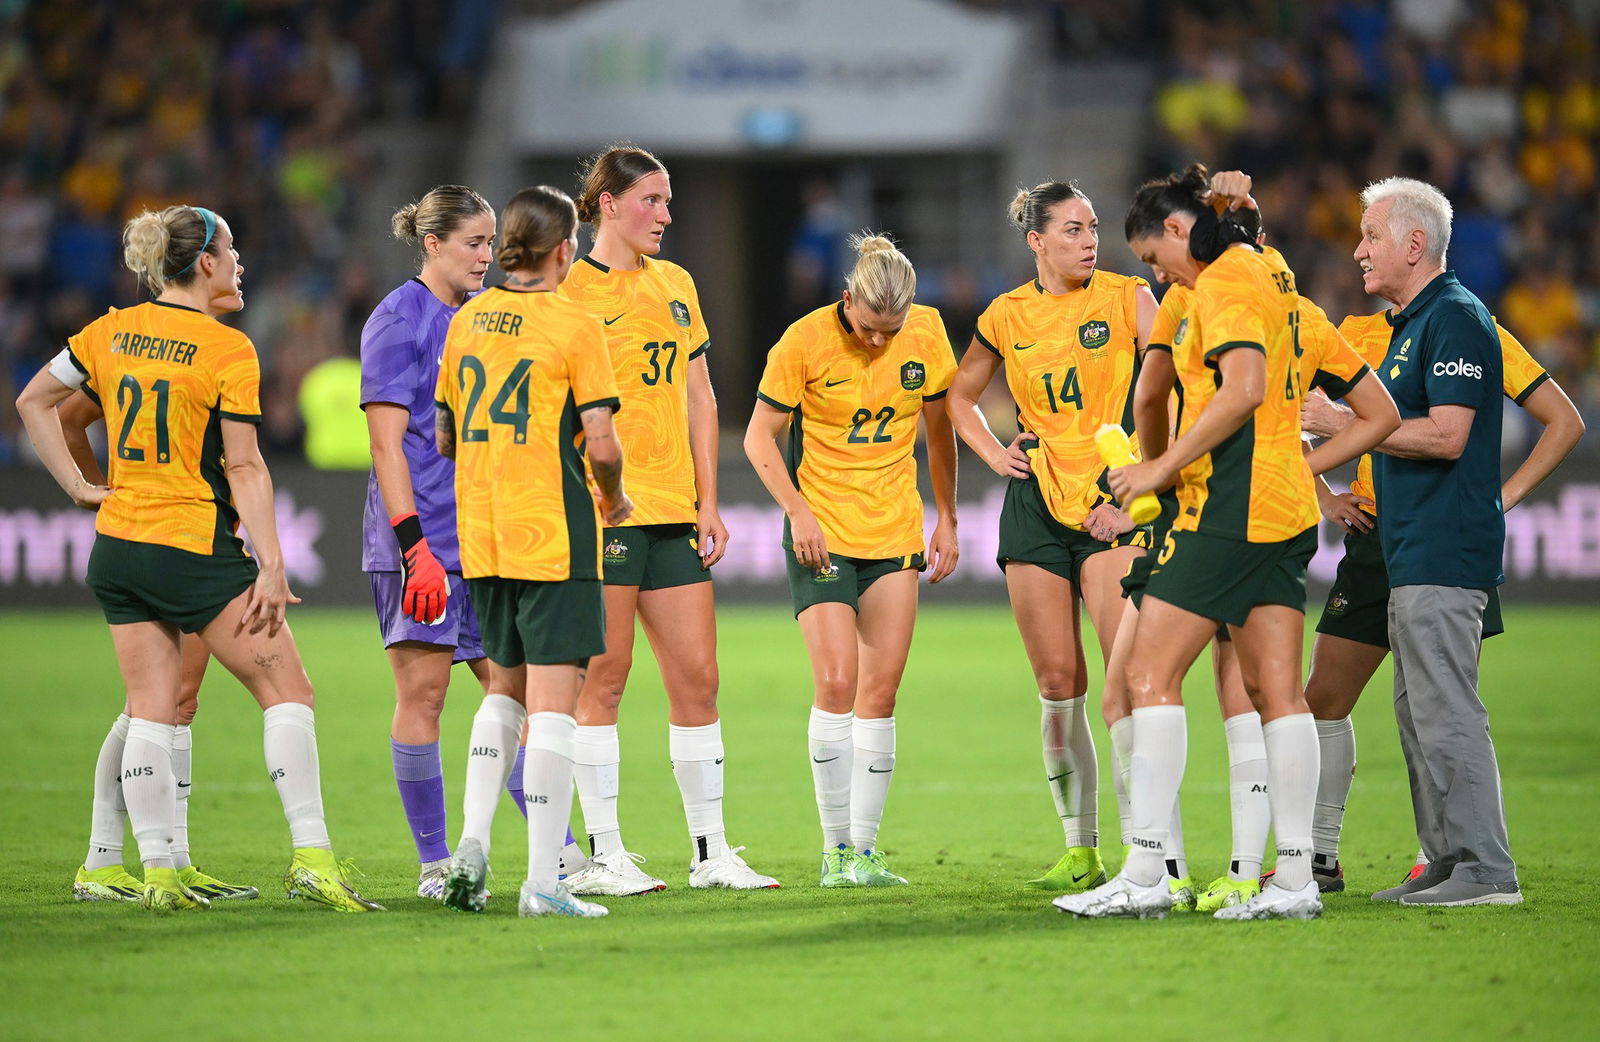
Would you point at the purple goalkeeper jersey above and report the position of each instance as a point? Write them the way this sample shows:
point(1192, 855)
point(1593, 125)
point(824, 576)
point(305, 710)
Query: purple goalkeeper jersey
point(400, 350)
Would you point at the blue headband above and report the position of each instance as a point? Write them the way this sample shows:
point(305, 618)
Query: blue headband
point(211, 229)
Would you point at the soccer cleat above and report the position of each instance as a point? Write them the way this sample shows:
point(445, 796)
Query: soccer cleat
point(872, 871)
point(1183, 895)
point(534, 903)
point(430, 880)
point(314, 875)
point(215, 889)
point(164, 893)
point(1226, 891)
point(112, 883)
point(1276, 902)
point(616, 874)
point(1119, 898)
point(729, 872)
point(466, 878)
point(1079, 869)
point(1462, 893)
point(839, 867)
point(1328, 880)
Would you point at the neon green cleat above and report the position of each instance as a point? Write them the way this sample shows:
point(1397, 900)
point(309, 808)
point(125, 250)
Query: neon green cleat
point(1225, 892)
point(316, 876)
point(1182, 893)
point(871, 870)
point(213, 888)
point(1079, 869)
point(164, 892)
point(112, 883)
point(839, 867)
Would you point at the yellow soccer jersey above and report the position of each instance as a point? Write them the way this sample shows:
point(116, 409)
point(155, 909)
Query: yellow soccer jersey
point(1071, 361)
point(166, 377)
point(855, 425)
point(653, 328)
point(1255, 484)
point(1327, 361)
point(1369, 335)
point(517, 370)
point(1171, 318)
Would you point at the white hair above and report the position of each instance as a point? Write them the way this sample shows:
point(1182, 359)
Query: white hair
point(1417, 205)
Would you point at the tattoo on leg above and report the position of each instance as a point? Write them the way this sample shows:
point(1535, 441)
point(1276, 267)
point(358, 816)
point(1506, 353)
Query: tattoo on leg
point(269, 661)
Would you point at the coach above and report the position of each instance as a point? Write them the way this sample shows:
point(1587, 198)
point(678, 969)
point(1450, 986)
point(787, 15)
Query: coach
point(1443, 536)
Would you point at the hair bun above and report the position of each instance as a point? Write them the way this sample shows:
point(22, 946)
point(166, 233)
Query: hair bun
point(404, 223)
point(865, 244)
point(1018, 208)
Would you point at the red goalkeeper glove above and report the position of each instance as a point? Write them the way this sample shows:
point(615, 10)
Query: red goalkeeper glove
point(427, 588)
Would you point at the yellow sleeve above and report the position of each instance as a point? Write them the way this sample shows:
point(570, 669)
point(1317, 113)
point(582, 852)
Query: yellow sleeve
point(1334, 366)
point(784, 379)
point(239, 383)
point(941, 362)
point(699, 336)
point(1168, 315)
point(594, 380)
point(988, 331)
point(1522, 375)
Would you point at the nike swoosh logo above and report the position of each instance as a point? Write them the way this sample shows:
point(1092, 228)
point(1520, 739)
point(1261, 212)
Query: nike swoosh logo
point(835, 383)
point(183, 785)
point(1058, 777)
point(617, 319)
point(874, 770)
point(1079, 879)
point(1023, 347)
point(430, 835)
point(828, 760)
point(719, 759)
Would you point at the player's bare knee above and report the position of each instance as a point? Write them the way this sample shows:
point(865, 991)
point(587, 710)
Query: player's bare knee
point(1059, 683)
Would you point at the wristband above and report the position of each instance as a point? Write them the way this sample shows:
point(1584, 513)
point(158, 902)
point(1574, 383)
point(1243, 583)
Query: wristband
point(407, 529)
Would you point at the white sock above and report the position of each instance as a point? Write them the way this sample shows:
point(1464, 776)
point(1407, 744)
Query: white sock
point(108, 818)
point(547, 791)
point(491, 754)
point(1247, 793)
point(597, 768)
point(1122, 766)
point(1336, 740)
point(289, 738)
point(832, 760)
point(1160, 748)
point(1071, 769)
point(1177, 862)
point(183, 781)
point(871, 774)
point(697, 764)
point(1292, 769)
point(147, 787)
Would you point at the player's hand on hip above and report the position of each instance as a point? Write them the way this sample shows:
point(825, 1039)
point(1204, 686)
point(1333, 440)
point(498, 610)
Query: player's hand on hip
point(1014, 461)
point(1105, 522)
point(89, 496)
point(1345, 509)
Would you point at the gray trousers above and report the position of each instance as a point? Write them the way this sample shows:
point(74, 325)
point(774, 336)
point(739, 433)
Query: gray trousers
point(1435, 633)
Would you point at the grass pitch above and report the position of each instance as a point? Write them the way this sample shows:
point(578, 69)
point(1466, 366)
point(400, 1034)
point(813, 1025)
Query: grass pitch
point(964, 953)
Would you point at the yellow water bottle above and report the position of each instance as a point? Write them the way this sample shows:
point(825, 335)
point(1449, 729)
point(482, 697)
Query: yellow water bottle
point(1117, 451)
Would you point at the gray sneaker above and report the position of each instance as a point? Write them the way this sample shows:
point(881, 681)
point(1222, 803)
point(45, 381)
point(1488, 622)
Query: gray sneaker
point(466, 884)
point(1430, 878)
point(1458, 893)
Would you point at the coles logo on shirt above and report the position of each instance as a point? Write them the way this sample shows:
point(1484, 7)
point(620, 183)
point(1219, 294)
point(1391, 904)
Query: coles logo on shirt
point(1460, 367)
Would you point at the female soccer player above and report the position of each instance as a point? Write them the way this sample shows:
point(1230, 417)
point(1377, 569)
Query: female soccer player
point(851, 379)
point(658, 566)
point(1070, 340)
point(525, 390)
point(1238, 551)
point(181, 391)
point(409, 546)
point(102, 876)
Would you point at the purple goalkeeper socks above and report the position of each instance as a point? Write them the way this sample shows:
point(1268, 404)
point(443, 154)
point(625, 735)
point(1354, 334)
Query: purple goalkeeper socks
point(420, 776)
point(514, 785)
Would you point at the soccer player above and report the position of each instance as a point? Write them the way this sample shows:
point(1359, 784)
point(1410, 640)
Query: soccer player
point(658, 565)
point(102, 876)
point(525, 391)
point(409, 549)
point(1352, 635)
point(850, 380)
point(181, 391)
point(1238, 550)
point(1070, 341)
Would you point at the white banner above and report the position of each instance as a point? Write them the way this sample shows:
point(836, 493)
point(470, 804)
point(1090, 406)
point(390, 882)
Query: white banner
point(725, 75)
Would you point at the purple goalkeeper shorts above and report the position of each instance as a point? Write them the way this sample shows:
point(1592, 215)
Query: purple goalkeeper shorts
point(458, 629)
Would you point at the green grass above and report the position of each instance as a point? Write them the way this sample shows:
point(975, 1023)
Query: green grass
point(965, 953)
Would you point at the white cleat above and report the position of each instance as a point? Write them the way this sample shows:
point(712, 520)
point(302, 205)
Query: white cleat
point(430, 881)
point(613, 875)
point(535, 903)
point(1276, 902)
point(1120, 898)
point(729, 872)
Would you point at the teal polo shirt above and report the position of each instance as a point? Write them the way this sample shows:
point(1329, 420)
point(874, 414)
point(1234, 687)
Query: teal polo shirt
point(1442, 521)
